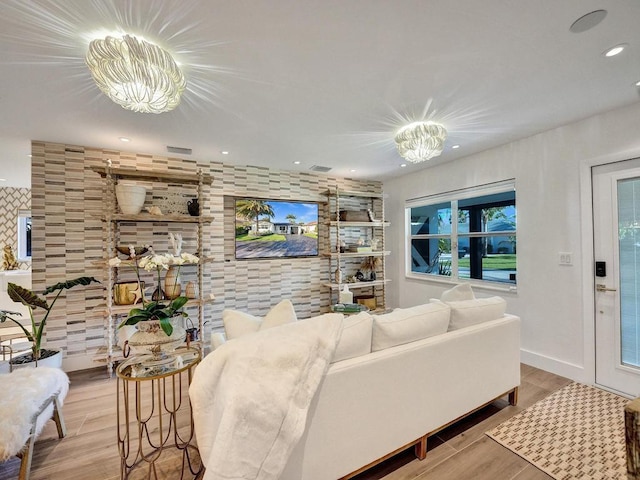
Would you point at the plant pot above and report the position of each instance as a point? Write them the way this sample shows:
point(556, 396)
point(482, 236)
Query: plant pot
point(150, 338)
point(49, 358)
point(130, 198)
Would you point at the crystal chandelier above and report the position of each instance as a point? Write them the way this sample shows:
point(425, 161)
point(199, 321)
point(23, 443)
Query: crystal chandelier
point(420, 141)
point(136, 74)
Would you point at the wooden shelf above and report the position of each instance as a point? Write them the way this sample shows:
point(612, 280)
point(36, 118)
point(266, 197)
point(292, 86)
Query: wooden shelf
point(125, 309)
point(348, 193)
point(156, 176)
point(145, 217)
point(356, 254)
point(336, 223)
point(356, 285)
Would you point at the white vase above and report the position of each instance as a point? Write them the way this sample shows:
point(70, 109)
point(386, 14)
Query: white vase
point(172, 287)
point(130, 198)
point(151, 339)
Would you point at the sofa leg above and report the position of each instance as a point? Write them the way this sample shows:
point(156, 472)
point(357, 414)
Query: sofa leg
point(513, 397)
point(420, 448)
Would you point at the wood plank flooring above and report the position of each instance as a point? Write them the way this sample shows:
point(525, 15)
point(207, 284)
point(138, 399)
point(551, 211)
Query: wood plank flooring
point(460, 452)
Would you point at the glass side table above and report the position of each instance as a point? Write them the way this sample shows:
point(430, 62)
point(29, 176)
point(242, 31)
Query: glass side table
point(152, 416)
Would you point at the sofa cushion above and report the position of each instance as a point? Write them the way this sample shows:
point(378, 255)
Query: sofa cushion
point(355, 339)
point(405, 325)
point(470, 312)
point(237, 323)
point(458, 293)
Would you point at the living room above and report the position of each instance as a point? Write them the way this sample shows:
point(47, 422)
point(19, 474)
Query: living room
point(545, 136)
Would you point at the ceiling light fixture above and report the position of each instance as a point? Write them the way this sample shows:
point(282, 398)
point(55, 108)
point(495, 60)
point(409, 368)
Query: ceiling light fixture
point(224, 152)
point(125, 139)
point(297, 162)
point(136, 74)
point(455, 146)
point(613, 51)
point(420, 141)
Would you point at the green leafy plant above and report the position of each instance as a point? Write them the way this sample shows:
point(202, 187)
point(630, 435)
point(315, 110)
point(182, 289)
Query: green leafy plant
point(157, 311)
point(32, 301)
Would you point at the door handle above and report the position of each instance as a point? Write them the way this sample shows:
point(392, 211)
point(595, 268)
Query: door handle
point(600, 287)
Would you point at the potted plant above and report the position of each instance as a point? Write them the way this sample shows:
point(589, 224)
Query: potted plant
point(155, 331)
point(32, 301)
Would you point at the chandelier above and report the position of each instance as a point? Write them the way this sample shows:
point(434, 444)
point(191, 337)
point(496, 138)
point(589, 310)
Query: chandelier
point(136, 74)
point(420, 141)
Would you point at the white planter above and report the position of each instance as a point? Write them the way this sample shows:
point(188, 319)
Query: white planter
point(130, 198)
point(53, 361)
point(150, 336)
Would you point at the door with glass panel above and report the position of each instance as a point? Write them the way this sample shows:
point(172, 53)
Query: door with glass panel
point(616, 211)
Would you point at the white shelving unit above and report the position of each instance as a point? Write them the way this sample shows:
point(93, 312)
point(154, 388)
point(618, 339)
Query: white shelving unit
point(350, 232)
point(110, 353)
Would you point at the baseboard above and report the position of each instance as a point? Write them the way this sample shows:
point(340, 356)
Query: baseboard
point(553, 365)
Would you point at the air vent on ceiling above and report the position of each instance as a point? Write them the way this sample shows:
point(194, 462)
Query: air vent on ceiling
point(319, 168)
point(180, 150)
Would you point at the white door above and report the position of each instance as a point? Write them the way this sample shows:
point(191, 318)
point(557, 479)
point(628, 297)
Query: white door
point(616, 212)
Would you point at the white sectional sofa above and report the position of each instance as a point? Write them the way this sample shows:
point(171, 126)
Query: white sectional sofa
point(398, 378)
point(374, 405)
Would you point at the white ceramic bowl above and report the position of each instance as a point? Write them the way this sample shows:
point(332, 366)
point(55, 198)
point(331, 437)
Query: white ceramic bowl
point(130, 198)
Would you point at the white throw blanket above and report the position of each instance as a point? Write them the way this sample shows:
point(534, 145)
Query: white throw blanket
point(23, 393)
point(250, 397)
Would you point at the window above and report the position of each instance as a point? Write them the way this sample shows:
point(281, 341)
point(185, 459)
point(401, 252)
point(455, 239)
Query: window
point(466, 234)
point(24, 235)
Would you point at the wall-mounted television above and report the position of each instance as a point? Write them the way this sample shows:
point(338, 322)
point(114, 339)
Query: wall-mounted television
point(275, 228)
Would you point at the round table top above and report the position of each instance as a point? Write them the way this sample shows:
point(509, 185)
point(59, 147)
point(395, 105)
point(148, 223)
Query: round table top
point(149, 367)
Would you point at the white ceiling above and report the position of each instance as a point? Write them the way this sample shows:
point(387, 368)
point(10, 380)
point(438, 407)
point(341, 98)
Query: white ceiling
point(324, 82)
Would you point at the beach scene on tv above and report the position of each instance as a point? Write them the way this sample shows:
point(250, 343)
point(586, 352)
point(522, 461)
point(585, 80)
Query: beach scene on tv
point(273, 229)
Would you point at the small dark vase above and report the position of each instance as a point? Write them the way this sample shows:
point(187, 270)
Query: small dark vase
point(194, 207)
point(359, 276)
point(158, 294)
point(372, 276)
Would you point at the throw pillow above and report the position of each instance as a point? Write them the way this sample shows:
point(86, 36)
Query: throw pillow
point(470, 312)
point(405, 325)
point(458, 293)
point(237, 323)
point(355, 339)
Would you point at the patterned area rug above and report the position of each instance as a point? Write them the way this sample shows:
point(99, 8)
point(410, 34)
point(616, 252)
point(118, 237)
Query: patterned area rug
point(576, 432)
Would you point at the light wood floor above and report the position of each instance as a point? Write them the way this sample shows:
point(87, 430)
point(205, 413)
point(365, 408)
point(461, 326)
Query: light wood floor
point(460, 452)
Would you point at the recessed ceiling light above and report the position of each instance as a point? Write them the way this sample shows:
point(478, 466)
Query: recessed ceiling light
point(615, 50)
point(224, 152)
point(638, 83)
point(402, 165)
point(125, 139)
point(455, 146)
point(352, 170)
point(3, 179)
point(297, 162)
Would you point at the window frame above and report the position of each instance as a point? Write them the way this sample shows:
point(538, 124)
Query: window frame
point(453, 198)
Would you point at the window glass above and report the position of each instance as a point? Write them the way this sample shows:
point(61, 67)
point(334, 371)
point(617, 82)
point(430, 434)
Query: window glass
point(24, 235)
point(483, 240)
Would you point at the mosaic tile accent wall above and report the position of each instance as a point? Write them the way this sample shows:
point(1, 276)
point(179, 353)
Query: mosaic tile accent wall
point(68, 201)
point(11, 200)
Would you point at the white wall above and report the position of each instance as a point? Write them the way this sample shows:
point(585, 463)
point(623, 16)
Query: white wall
point(554, 215)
